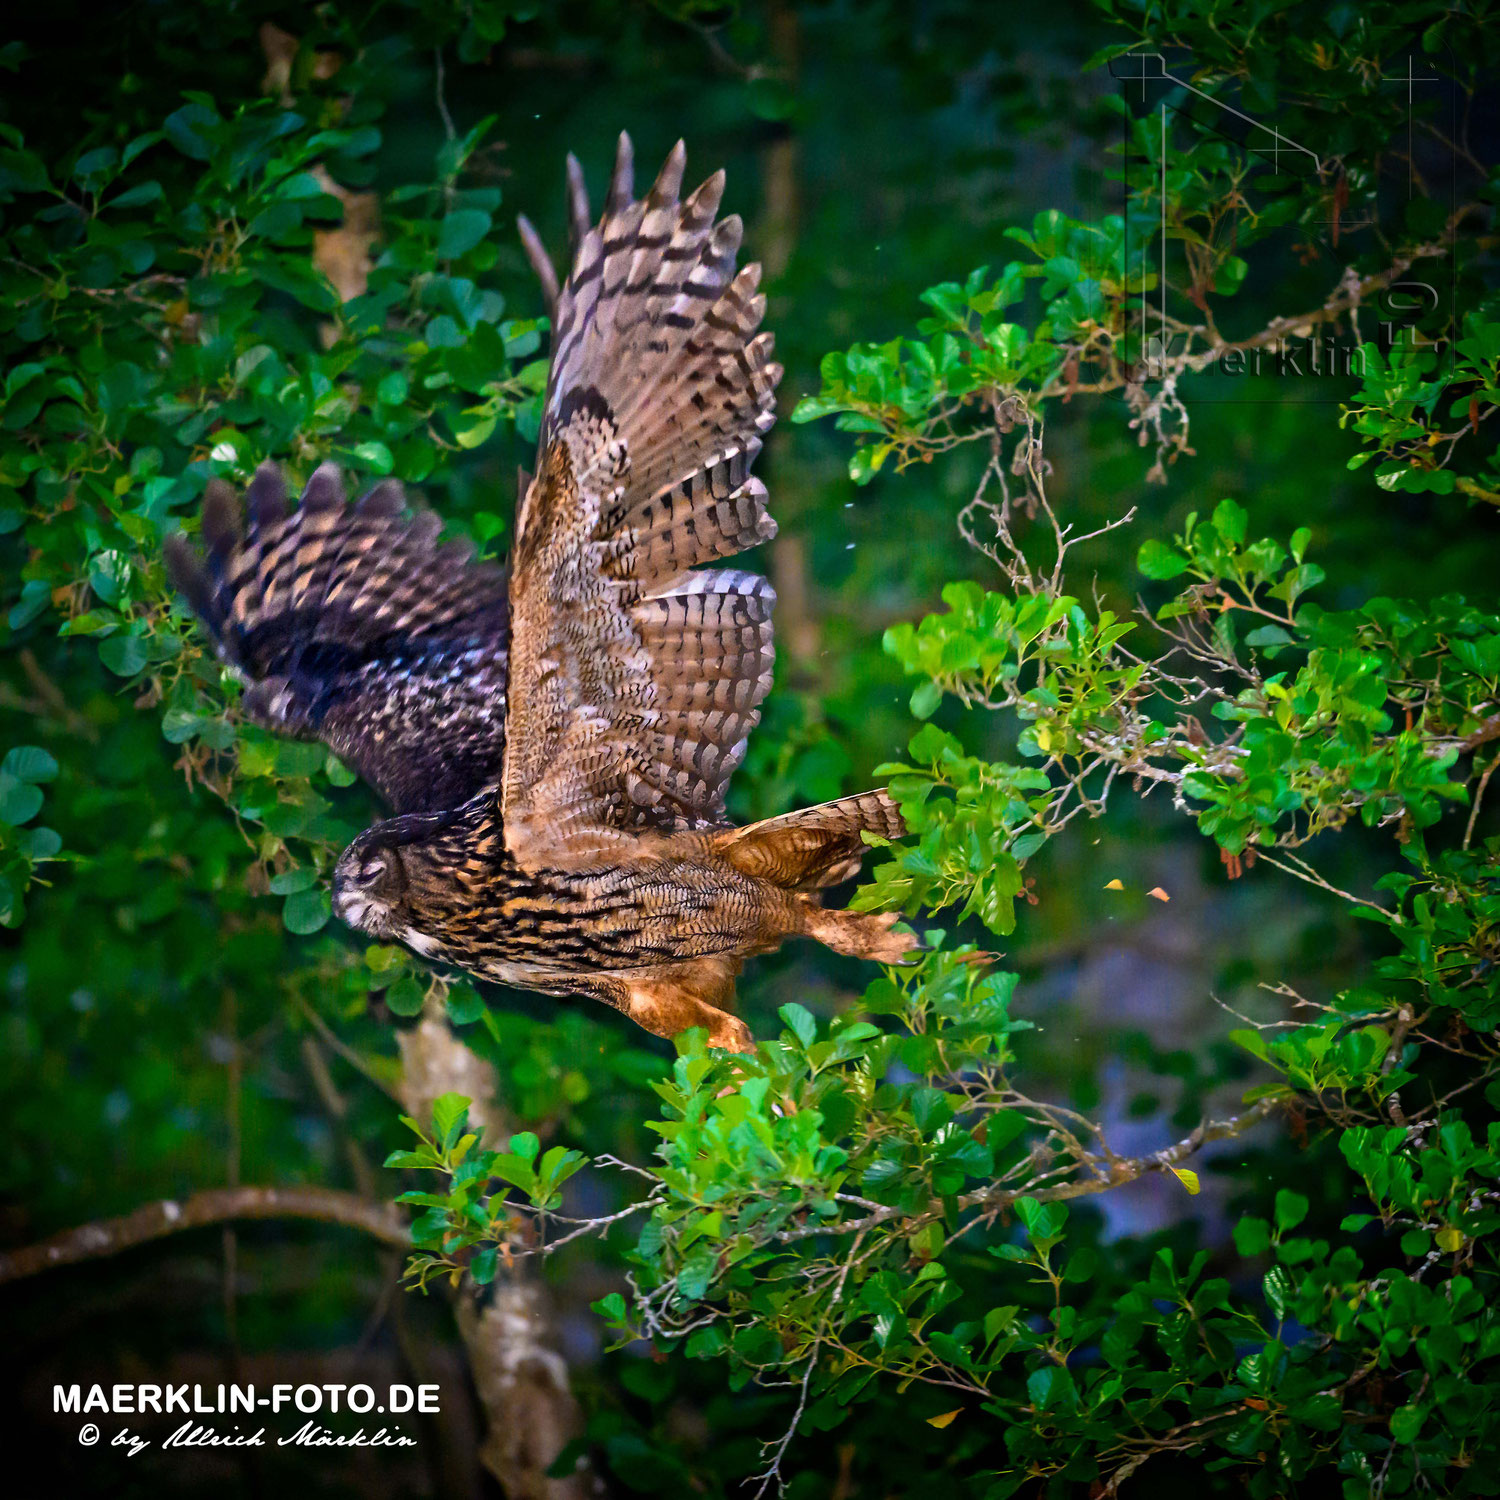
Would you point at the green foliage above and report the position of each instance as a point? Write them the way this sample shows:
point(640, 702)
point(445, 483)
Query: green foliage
point(464, 1228)
point(851, 1208)
point(919, 397)
point(24, 844)
point(1273, 719)
point(1419, 413)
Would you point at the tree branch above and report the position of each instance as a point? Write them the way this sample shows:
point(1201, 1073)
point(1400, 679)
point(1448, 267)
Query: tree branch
point(1107, 1174)
point(509, 1327)
point(213, 1206)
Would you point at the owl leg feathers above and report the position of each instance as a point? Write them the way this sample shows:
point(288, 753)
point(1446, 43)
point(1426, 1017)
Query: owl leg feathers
point(672, 999)
point(861, 934)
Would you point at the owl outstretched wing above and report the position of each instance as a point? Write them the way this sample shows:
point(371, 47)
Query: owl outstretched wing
point(636, 673)
point(353, 626)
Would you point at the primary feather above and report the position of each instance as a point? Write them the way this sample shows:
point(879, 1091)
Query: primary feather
point(638, 674)
point(352, 625)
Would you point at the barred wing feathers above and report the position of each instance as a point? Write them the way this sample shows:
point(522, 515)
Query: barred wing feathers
point(353, 626)
point(637, 672)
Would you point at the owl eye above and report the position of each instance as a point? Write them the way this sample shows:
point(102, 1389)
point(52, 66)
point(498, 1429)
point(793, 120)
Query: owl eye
point(380, 873)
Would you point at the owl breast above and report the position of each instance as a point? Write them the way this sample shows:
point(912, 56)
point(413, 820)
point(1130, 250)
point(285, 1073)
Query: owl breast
point(469, 903)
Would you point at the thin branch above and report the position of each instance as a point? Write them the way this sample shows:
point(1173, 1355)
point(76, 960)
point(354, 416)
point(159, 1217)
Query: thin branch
point(1304, 871)
point(1109, 1172)
point(1479, 792)
point(335, 1043)
point(155, 1221)
point(449, 129)
point(587, 1226)
point(772, 1473)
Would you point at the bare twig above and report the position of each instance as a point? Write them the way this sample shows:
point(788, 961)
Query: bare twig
point(154, 1221)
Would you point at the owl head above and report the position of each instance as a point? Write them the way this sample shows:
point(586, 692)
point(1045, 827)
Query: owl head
point(393, 880)
point(370, 886)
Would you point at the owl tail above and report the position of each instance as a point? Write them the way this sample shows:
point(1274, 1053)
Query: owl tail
point(813, 848)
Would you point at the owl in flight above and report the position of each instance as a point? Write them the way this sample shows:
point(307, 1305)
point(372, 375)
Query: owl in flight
point(554, 738)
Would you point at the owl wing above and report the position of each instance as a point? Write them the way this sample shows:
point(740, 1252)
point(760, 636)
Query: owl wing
point(353, 626)
point(637, 675)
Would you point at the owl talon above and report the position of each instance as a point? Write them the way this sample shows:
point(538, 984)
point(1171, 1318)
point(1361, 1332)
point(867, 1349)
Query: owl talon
point(864, 935)
point(732, 1035)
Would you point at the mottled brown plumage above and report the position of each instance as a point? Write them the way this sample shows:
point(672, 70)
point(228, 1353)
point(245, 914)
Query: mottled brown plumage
point(555, 743)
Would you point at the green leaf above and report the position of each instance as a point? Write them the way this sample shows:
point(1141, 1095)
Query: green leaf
point(1406, 1423)
point(124, 655)
point(800, 1022)
point(29, 763)
point(611, 1307)
point(925, 699)
point(189, 129)
point(525, 1145)
point(35, 597)
point(93, 167)
point(406, 997)
point(138, 145)
point(1269, 635)
point(1277, 1285)
point(1416, 1243)
point(465, 1005)
point(409, 1159)
point(448, 1112)
point(461, 231)
point(1230, 521)
point(306, 911)
point(376, 456)
point(1291, 1209)
point(337, 772)
point(19, 800)
point(136, 197)
point(393, 388)
point(1252, 1236)
point(1157, 560)
point(38, 843)
point(511, 1168)
point(481, 432)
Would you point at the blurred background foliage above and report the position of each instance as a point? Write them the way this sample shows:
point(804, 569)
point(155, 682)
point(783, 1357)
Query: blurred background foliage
point(250, 230)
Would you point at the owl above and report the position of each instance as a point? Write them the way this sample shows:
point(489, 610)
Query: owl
point(554, 738)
